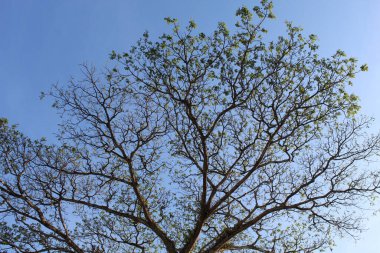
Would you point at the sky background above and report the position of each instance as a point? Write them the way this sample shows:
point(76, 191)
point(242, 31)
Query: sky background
point(44, 42)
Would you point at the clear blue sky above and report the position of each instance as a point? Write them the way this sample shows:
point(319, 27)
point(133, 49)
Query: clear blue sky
point(43, 42)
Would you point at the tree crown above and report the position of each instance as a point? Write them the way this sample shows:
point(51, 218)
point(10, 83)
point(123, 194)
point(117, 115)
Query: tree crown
point(196, 143)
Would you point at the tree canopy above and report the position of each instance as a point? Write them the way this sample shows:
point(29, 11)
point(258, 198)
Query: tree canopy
point(196, 143)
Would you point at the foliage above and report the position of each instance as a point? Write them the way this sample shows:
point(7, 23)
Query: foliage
point(196, 143)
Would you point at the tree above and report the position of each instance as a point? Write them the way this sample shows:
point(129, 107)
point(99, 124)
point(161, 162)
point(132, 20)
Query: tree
point(196, 143)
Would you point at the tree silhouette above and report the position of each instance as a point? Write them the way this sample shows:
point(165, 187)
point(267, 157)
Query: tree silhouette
point(196, 143)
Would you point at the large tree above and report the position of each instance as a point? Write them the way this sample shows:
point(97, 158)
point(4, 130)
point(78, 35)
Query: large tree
point(196, 143)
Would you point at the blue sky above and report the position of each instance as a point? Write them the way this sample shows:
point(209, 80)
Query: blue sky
point(43, 42)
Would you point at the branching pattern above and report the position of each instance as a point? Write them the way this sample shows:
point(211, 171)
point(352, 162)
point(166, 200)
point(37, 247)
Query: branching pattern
point(196, 143)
